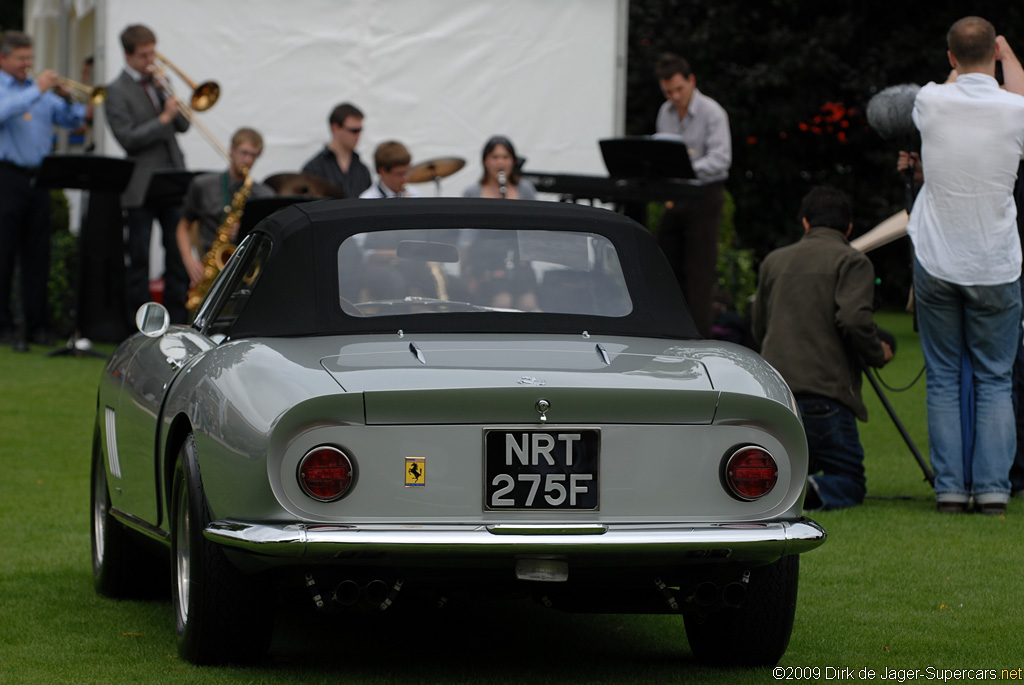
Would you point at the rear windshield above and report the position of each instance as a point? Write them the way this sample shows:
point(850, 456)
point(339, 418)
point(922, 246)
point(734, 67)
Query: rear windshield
point(424, 271)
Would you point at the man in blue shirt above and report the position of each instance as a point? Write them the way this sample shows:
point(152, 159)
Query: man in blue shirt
point(28, 112)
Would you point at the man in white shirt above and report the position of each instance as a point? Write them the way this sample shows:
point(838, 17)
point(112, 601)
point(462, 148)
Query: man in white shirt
point(688, 234)
point(392, 160)
point(966, 276)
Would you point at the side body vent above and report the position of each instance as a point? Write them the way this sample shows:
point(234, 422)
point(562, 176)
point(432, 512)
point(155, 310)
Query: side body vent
point(115, 465)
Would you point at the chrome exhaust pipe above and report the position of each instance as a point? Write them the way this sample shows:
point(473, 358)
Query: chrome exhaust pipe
point(347, 593)
point(376, 594)
point(706, 594)
point(376, 591)
point(733, 594)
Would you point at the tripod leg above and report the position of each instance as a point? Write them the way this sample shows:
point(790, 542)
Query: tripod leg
point(929, 475)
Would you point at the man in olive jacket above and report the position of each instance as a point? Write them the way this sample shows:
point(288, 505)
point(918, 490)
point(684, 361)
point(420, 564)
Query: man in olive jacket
point(813, 318)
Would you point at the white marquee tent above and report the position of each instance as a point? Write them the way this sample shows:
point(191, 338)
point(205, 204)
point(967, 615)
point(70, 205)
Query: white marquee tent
point(440, 75)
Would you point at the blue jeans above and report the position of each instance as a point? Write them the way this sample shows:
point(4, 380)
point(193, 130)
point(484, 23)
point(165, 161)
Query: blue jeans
point(1017, 470)
point(835, 452)
point(984, 321)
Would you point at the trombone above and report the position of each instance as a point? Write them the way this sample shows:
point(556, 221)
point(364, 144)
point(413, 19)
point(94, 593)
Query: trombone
point(204, 96)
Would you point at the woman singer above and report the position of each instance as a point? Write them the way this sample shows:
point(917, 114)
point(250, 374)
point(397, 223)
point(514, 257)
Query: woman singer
point(501, 178)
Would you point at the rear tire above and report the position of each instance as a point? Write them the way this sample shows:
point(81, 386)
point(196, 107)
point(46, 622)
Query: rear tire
point(757, 632)
point(121, 567)
point(220, 614)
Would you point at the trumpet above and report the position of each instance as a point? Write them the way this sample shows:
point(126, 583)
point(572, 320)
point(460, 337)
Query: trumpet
point(95, 95)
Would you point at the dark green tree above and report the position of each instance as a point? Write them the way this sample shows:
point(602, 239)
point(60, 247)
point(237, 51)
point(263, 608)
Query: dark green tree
point(11, 15)
point(796, 78)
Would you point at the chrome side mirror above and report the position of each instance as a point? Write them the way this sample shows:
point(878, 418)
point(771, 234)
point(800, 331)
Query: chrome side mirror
point(152, 319)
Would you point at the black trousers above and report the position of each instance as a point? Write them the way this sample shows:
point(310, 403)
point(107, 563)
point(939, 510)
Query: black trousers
point(688, 236)
point(139, 221)
point(24, 240)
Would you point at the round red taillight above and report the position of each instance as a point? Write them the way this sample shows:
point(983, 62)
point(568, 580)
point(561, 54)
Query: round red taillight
point(325, 473)
point(751, 472)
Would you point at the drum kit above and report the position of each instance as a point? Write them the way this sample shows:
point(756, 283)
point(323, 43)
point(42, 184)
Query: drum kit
point(303, 184)
point(432, 170)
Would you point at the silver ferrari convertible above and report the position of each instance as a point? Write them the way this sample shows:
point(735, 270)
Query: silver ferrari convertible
point(415, 403)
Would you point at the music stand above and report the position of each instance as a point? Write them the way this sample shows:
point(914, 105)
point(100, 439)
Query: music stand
point(259, 208)
point(647, 157)
point(99, 312)
point(168, 186)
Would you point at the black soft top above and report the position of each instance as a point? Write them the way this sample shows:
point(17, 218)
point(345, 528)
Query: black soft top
point(298, 293)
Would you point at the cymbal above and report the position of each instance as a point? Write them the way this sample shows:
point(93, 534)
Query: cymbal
point(435, 168)
point(303, 184)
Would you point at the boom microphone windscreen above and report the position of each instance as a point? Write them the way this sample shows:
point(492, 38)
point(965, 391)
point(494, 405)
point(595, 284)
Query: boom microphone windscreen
point(890, 112)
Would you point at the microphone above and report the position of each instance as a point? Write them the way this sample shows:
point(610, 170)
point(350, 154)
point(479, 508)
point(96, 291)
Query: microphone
point(502, 184)
point(891, 113)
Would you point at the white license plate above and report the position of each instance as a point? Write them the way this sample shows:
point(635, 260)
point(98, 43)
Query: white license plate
point(537, 469)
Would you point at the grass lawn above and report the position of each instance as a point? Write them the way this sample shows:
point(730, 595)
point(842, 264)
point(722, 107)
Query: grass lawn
point(897, 586)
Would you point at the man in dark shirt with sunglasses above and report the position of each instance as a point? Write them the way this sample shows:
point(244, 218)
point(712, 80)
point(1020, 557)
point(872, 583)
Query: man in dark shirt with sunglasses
point(338, 163)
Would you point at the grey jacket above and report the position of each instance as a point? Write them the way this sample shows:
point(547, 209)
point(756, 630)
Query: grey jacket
point(134, 123)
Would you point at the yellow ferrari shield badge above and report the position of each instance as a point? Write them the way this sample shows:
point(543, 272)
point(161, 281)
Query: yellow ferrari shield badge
point(415, 472)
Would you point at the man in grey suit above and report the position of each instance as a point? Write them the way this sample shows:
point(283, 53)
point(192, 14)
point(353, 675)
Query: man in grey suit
point(144, 120)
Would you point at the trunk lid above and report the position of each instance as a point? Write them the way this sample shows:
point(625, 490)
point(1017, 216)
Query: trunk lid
point(441, 381)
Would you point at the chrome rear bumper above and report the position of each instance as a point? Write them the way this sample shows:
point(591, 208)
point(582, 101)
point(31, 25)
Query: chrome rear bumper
point(692, 542)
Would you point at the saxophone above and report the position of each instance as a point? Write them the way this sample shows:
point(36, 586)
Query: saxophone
point(222, 247)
